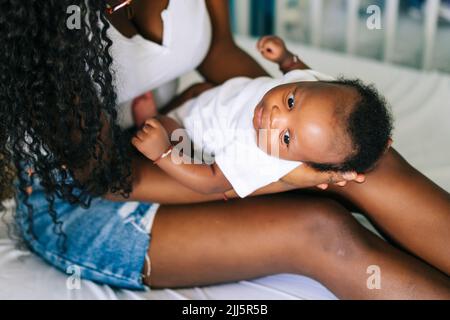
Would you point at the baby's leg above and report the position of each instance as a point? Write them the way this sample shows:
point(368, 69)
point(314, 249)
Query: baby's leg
point(143, 108)
point(193, 91)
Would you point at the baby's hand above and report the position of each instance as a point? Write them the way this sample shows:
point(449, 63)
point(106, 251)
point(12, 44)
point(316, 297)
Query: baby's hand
point(272, 48)
point(152, 140)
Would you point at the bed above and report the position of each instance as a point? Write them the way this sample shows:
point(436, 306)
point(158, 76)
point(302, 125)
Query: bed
point(421, 106)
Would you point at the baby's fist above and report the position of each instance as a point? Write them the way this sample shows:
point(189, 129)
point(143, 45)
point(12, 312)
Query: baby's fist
point(272, 48)
point(151, 140)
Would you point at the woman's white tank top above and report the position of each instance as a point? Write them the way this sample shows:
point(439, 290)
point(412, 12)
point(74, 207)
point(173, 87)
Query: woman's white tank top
point(140, 65)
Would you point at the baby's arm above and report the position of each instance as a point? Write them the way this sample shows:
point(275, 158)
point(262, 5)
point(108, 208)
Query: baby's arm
point(273, 48)
point(152, 141)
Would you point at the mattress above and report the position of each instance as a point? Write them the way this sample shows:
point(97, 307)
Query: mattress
point(421, 106)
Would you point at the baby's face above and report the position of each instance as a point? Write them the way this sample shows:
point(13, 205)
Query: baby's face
point(297, 121)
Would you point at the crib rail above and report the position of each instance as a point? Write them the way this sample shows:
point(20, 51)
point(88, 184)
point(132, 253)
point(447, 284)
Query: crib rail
point(431, 17)
point(389, 24)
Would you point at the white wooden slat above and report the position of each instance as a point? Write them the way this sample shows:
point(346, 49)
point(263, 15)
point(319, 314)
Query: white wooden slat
point(352, 25)
point(280, 14)
point(390, 28)
point(242, 14)
point(430, 24)
point(316, 16)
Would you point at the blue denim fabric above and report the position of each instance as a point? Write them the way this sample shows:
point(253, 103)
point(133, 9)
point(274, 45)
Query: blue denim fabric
point(107, 242)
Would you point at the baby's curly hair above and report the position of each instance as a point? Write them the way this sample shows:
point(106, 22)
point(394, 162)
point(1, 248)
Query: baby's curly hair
point(369, 126)
point(57, 104)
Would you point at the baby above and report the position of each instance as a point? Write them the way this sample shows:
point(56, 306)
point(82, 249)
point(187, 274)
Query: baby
point(252, 132)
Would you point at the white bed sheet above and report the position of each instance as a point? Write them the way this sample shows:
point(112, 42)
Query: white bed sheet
point(421, 106)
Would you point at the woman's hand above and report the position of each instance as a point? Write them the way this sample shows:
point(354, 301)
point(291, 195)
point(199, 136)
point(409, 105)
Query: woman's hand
point(152, 140)
point(346, 176)
point(305, 176)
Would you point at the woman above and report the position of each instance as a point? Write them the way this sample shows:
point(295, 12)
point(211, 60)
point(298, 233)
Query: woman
point(59, 134)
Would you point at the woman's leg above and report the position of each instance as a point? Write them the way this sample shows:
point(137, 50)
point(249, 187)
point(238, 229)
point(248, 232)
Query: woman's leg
point(407, 206)
point(240, 239)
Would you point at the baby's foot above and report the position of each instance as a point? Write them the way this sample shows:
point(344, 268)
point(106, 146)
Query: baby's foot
point(272, 48)
point(143, 107)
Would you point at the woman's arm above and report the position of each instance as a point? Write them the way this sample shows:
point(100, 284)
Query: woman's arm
point(202, 178)
point(151, 184)
point(225, 59)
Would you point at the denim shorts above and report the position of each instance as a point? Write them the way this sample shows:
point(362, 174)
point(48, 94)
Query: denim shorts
point(106, 243)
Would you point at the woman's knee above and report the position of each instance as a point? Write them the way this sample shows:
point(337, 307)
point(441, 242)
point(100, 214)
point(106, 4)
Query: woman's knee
point(327, 230)
point(319, 216)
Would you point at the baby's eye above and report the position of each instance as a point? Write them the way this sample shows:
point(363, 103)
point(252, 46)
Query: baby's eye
point(286, 137)
point(291, 101)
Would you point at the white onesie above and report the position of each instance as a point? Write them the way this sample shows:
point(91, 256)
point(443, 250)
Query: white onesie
point(220, 122)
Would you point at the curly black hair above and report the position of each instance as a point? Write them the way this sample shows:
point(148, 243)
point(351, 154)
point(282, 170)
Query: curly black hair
point(369, 126)
point(57, 105)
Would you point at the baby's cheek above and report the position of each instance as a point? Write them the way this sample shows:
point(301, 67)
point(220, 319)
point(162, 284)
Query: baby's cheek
point(269, 143)
point(261, 141)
